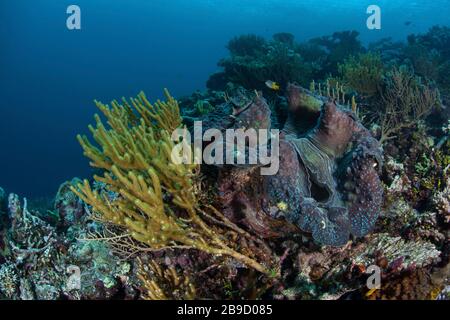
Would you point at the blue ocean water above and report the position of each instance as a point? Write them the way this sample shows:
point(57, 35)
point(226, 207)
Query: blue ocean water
point(49, 75)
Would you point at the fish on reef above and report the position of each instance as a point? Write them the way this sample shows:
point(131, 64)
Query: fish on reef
point(272, 85)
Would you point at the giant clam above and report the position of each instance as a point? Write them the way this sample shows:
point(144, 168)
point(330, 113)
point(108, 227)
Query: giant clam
point(328, 182)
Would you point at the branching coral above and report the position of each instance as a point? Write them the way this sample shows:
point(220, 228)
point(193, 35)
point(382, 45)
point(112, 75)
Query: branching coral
point(429, 54)
point(336, 48)
point(156, 203)
point(159, 282)
point(285, 37)
point(284, 65)
point(247, 71)
point(441, 200)
point(438, 38)
point(8, 281)
point(406, 254)
point(425, 62)
point(253, 61)
point(247, 45)
point(405, 100)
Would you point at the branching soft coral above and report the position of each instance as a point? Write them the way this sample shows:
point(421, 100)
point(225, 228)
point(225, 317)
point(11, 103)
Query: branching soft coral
point(363, 73)
point(155, 199)
point(158, 282)
point(405, 100)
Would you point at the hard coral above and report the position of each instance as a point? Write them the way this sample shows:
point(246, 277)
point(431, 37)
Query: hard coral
point(284, 37)
point(337, 47)
point(247, 45)
point(399, 253)
point(253, 61)
point(9, 281)
point(429, 55)
point(437, 38)
point(409, 285)
point(41, 255)
point(442, 202)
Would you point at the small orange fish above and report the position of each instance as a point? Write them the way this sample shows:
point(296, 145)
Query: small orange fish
point(272, 85)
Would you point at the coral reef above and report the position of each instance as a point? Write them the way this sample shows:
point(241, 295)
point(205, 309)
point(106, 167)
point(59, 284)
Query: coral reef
point(396, 250)
point(336, 48)
point(253, 61)
point(180, 287)
point(40, 258)
point(333, 273)
point(363, 183)
point(9, 281)
point(442, 201)
point(68, 208)
point(136, 154)
point(429, 55)
point(414, 172)
point(247, 45)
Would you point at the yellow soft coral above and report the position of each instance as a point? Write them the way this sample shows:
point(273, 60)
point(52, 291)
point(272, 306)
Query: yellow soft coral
point(164, 283)
point(156, 203)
